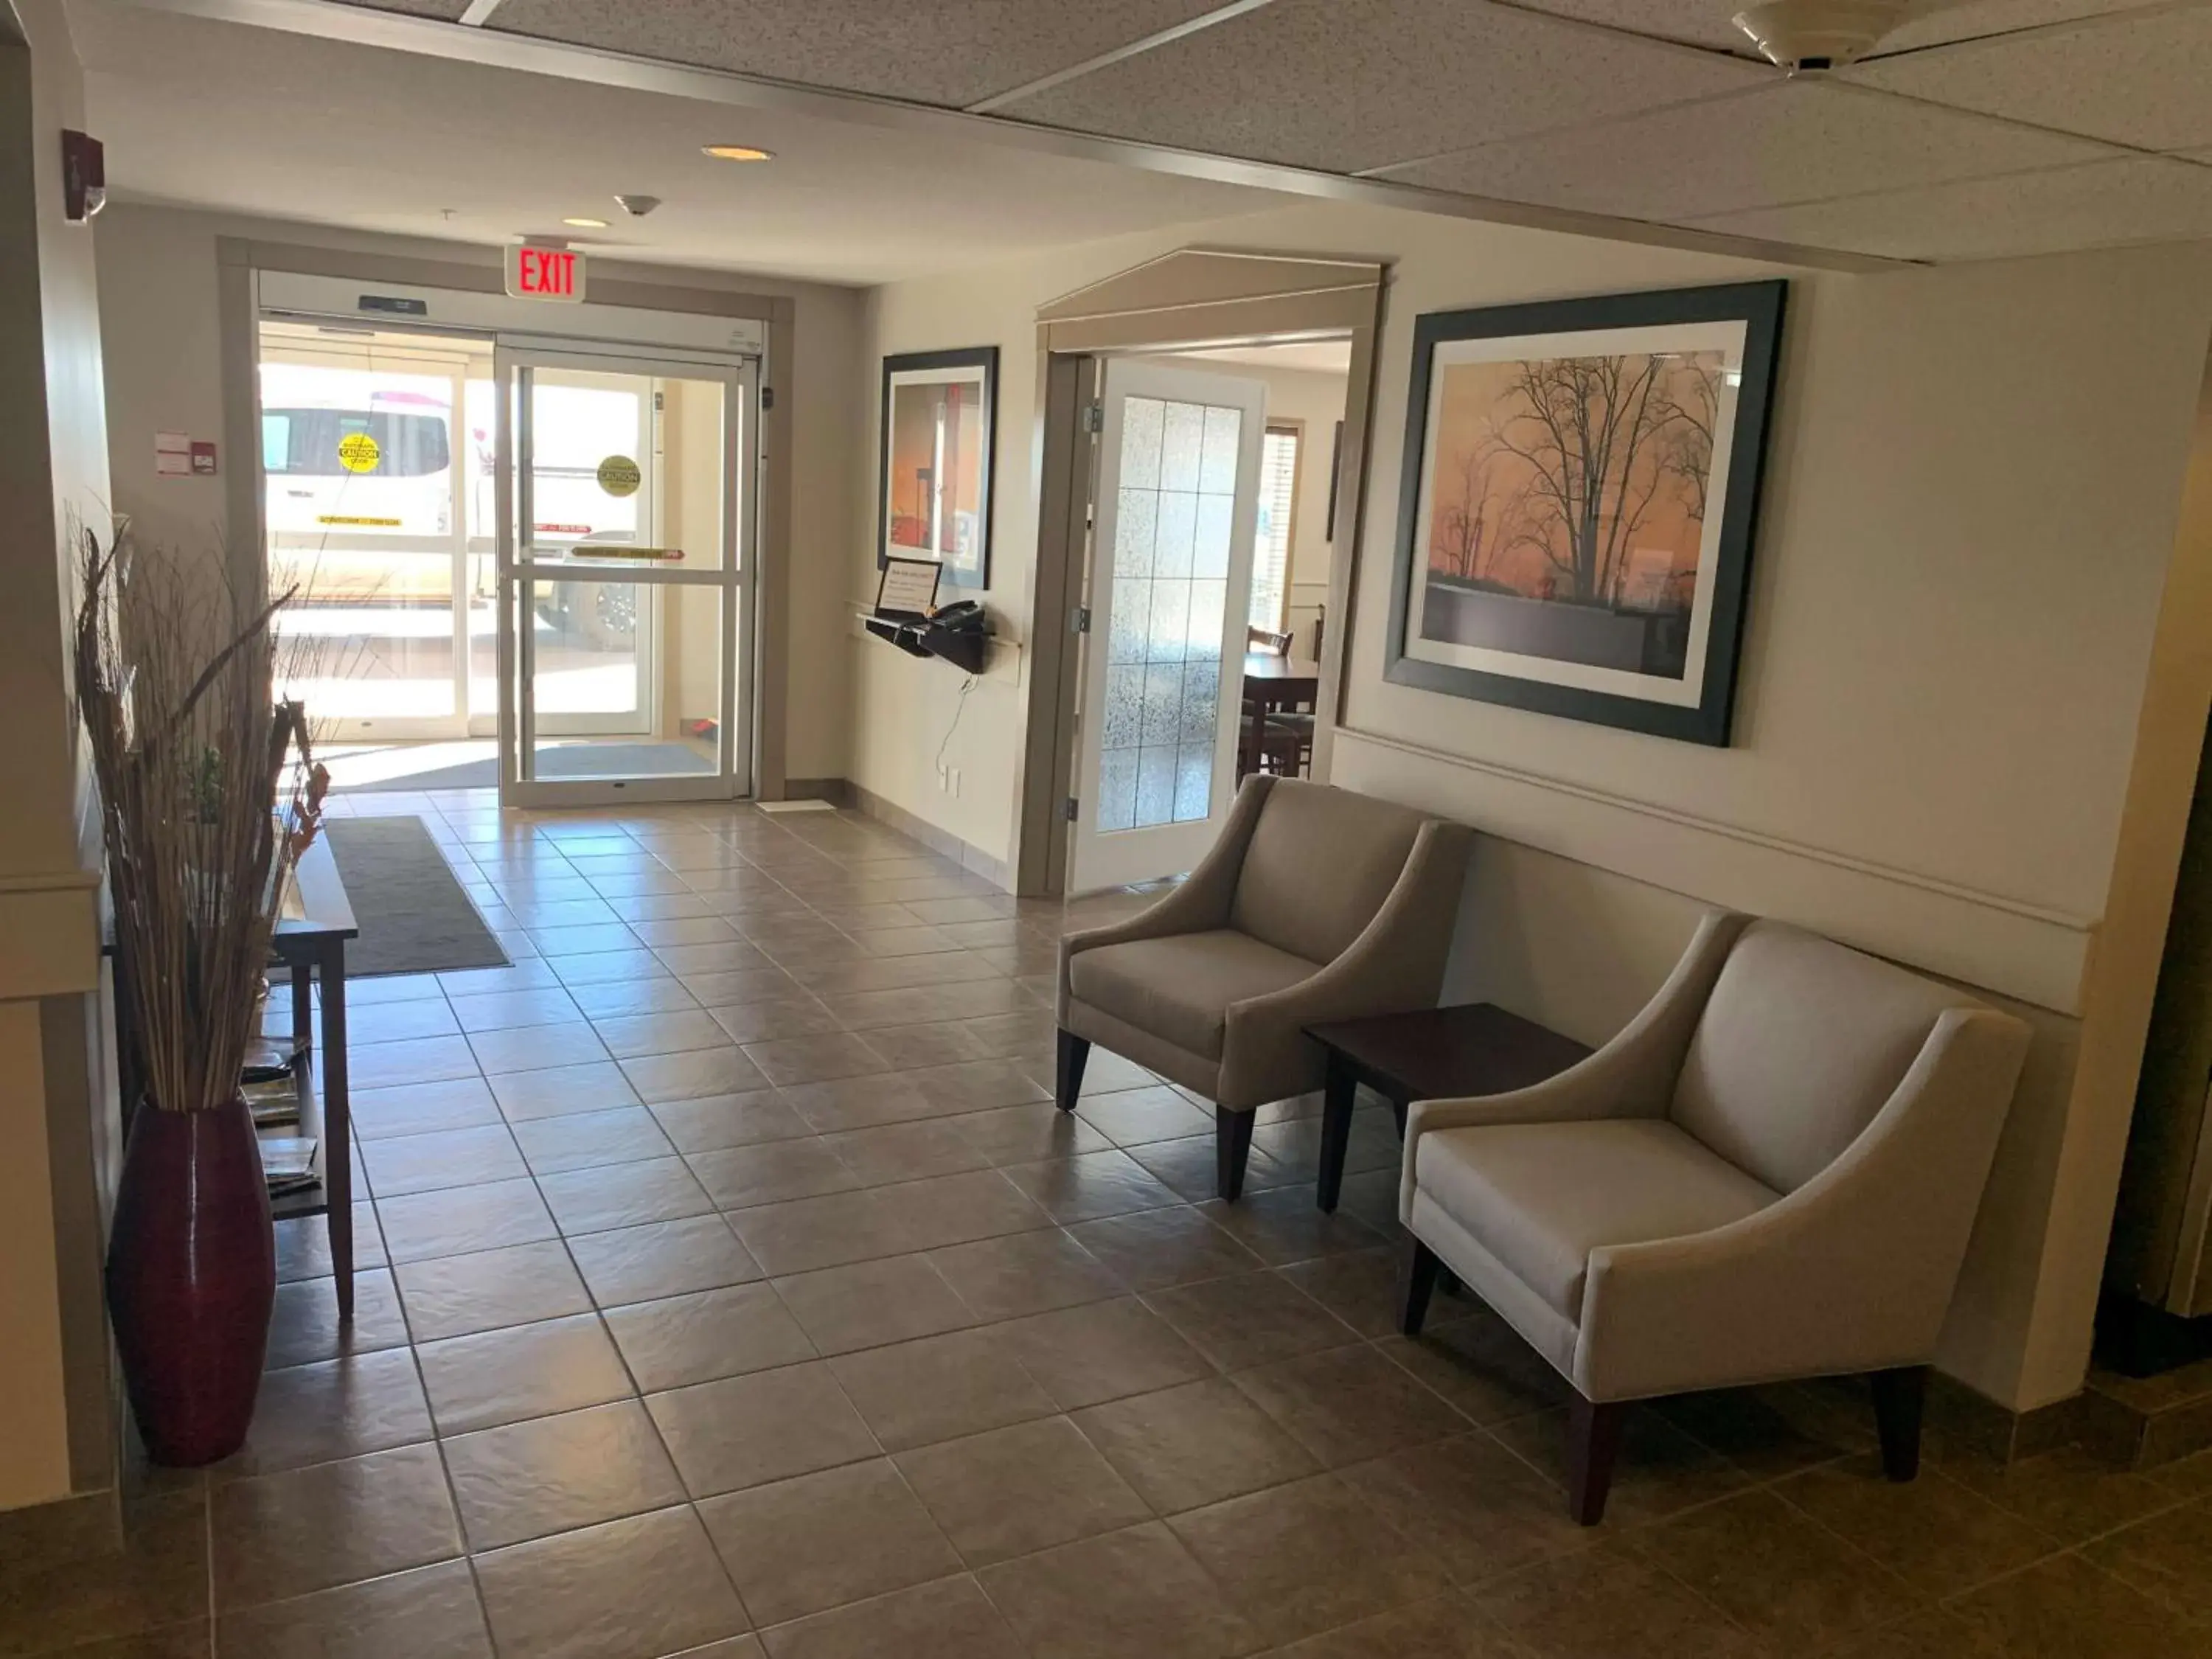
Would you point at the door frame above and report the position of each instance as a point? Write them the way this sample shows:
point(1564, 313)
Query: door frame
point(641, 305)
point(1189, 300)
point(733, 577)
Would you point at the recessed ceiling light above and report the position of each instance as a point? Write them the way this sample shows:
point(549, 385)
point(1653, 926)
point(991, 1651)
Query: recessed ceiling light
point(738, 153)
point(584, 221)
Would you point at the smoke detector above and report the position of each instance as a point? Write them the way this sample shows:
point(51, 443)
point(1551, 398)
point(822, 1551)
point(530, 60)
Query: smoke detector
point(637, 206)
point(1807, 36)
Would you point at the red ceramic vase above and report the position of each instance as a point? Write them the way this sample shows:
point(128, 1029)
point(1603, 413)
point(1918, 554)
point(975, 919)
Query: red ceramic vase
point(192, 1277)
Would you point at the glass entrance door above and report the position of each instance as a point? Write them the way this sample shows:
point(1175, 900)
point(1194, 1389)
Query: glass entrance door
point(625, 521)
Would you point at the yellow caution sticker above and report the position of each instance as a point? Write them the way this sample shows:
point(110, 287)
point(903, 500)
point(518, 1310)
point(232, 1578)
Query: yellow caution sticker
point(366, 524)
point(359, 452)
point(619, 476)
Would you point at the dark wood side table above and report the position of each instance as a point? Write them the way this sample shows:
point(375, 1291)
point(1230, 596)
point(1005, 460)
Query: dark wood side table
point(310, 939)
point(1438, 1054)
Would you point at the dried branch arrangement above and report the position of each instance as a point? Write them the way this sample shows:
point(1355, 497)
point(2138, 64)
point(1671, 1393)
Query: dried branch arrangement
point(210, 791)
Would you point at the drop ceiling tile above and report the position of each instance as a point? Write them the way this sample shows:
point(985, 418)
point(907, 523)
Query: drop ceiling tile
point(2149, 199)
point(1701, 22)
point(1966, 19)
point(450, 10)
point(1345, 85)
point(2136, 80)
point(1796, 141)
point(947, 52)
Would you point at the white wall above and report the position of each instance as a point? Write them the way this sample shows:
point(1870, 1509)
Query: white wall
point(1972, 498)
point(53, 477)
point(160, 314)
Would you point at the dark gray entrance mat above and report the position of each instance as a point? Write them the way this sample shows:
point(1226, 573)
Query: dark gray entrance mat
point(413, 916)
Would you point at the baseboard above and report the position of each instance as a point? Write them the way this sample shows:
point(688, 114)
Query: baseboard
point(836, 791)
point(1962, 1416)
point(2150, 1388)
point(943, 843)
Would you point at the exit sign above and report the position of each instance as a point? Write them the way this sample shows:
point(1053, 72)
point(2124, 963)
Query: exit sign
point(544, 273)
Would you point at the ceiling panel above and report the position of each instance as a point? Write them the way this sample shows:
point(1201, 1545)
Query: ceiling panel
point(1345, 85)
point(2144, 81)
point(1795, 140)
point(947, 52)
point(250, 120)
point(1964, 20)
point(2144, 200)
point(1711, 22)
point(450, 10)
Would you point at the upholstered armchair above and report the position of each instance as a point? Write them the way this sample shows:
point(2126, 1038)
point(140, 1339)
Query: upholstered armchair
point(1315, 904)
point(1771, 1173)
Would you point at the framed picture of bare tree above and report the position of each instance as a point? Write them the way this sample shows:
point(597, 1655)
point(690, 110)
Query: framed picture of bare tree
point(1582, 480)
point(939, 422)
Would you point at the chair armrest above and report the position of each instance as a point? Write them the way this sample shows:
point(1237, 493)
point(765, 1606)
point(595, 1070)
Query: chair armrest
point(1198, 903)
point(1852, 1271)
point(1632, 1075)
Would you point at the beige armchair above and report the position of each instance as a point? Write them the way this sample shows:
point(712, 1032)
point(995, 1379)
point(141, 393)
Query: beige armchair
point(1316, 904)
point(1771, 1173)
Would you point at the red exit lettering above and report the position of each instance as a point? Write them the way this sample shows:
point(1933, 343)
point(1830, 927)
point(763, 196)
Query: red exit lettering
point(546, 273)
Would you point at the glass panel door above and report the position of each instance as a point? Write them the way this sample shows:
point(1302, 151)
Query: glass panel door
point(625, 521)
point(1176, 507)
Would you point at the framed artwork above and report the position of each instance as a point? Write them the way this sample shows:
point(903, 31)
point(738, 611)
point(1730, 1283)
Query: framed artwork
point(1581, 487)
point(940, 415)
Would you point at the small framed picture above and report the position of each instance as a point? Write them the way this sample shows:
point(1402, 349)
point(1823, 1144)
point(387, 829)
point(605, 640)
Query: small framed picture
point(1581, 490)
point(939, 424)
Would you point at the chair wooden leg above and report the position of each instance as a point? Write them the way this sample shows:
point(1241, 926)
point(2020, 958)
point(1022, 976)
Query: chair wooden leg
point(1593, 1443)
point(1232, 1145)
point(1899, 1396)
point(1067, 1075)
point(1416, 1283)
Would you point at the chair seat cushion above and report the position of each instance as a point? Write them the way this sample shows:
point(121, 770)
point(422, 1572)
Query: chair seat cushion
point(1179, 988)
point(1540, 1197)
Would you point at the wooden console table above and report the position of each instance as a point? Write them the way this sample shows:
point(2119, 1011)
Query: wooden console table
point(312, 931)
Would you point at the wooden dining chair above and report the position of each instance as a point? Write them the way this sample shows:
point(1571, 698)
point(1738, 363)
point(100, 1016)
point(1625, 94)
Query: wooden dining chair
point(1262, 639)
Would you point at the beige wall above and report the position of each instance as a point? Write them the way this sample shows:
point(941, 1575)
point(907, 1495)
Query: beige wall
point(53, 479)
point(1973, 491)
point(159, 312)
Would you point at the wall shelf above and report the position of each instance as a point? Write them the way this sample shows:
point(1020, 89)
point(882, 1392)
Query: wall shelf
point(964, 649)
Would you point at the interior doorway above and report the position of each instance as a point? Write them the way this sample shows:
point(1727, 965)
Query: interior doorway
point(519, 562)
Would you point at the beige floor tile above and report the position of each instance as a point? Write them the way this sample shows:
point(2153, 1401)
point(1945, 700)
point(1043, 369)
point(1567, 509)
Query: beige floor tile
point(1027, 1273)
point(941, 1388)
point(714, 1121)
point(767, 1021)
point(1348, 1404)
point(1360, 1288)
point(789, 1060)
point(954, 1209)
point(498, 1010)
point(683, 1339)
point(1007, 1135)
point(618, 998)
point(1159, 1248)
point(552, 1474)
point(1091, 1185)
point(950, 1619)
point(2065, 1608)
point(979, 1085)
point(431, 1613)
point(418, 1060)
point(2168, 1557)
point(1662, 1470)
point(416, 1108)
point(337, 1408)
point(868, 1304)
point(1132, 1118)
point(461, 1295)
point(1472, 1505)
point(584, 1140)
point(1937, 1536)
point(2070, 1495)
point(664, 1259)
point(282, 1535)
point(802, 1545)
point(536, 1047)
point(650, 1584)
point(1770, 1432)
point(303, 1245)
point(859, 1102)
point(743, 1431)
point(1305, 1558)
point(1785, 1578)
point(739, 1177)
point(1603, 1604)
point(942, 1044)
point(804, 1234)
point(1102, 1350)
point(598, 1087)
point(1013, 1491)
point(905, 1152)
point(1187, 1447)
point(1283, 1227)
point(692, 1075)
point(65, 1579)
point(1133, 1592)
point(1445, 1627)
point(611, 1195)
point(457, 1220)
point(391, 1022)
point(522, 1371)
point(1190, 1167)
point(304, 1326)
point(1479, 1363)
point(1249, 1319)
point(628, 1036)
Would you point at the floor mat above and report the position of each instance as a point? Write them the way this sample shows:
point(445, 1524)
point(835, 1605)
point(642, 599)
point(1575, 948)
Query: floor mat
point(414, 918)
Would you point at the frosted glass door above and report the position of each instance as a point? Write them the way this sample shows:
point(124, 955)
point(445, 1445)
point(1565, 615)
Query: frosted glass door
point(1169, 580)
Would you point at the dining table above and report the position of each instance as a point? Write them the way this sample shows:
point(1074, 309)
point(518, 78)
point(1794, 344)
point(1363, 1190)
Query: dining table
point(1272, 682)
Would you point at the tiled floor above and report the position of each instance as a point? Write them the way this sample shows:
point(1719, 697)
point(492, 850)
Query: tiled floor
point(730, 1287)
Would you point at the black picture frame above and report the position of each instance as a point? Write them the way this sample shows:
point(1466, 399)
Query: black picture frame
point(958, 573)
point(1758, 307)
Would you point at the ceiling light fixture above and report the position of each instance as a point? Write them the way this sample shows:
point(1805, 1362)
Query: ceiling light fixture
point(1802, 37)
point(737, 153)
point(584, 221)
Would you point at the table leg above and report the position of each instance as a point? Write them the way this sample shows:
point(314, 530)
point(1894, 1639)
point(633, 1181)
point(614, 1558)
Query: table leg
point(303, 1004)
point(337, 1127)
point(1340, 1093)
